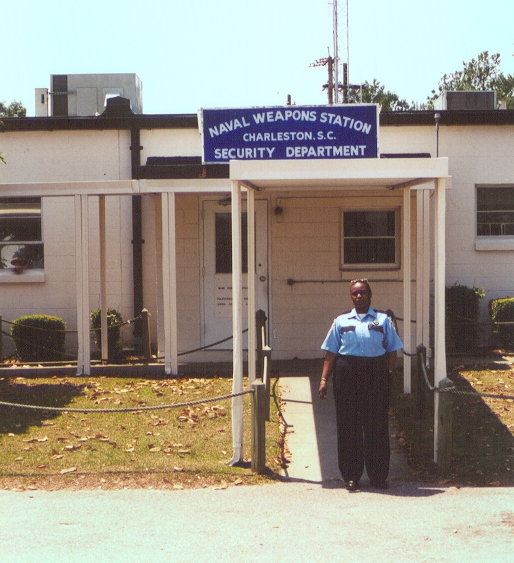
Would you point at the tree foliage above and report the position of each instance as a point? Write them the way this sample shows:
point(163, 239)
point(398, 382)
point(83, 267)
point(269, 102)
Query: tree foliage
point(482, 73)
point(14, 109)
point(376, 93)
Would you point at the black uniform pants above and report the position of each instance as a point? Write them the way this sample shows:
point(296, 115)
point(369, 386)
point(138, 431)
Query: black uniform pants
point(361, 392)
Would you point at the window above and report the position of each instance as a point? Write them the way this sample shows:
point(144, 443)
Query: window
point(224, 243)
point(495, 211)
point(369, 239)
point(21, 242)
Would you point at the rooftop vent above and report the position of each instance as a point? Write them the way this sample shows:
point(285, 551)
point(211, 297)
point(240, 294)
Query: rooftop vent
point(117, 107)
point(466, 100)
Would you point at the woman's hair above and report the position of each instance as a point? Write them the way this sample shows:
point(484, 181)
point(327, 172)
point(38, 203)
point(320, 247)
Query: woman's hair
point(363, 281)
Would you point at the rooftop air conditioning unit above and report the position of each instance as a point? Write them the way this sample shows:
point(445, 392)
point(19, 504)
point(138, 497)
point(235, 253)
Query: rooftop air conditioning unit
point(466, 100)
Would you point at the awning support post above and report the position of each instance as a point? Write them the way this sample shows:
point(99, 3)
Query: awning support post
point(237, 327)
point(407, 299)
point(439, 307)
point(82, 283)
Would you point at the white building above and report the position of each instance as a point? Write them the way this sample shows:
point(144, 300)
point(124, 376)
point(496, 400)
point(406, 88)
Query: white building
point(419, 216)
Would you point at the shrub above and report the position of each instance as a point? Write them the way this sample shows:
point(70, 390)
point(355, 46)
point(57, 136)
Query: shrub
point(39, 338)
point(462, 311)
point(114, 322)
point(502, 311)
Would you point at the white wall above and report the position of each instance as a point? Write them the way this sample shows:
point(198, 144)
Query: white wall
point(70, 156)
point(477, 155)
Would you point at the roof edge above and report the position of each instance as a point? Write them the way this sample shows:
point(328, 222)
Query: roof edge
point(190, 121)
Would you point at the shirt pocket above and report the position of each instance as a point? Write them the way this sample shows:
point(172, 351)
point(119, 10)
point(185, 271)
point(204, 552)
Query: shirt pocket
point(348, 336)
point(376, 334)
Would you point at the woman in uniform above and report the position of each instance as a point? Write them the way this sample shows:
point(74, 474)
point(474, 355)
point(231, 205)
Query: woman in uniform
point(361, 345)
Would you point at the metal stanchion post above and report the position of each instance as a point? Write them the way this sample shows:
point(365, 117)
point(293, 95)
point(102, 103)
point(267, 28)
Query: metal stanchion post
point(258, 427)
point(145, 335)
point(444, 431)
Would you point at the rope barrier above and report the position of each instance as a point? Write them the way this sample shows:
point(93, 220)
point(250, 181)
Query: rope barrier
point(474, 393)
point(130, 409)
point(454, 389)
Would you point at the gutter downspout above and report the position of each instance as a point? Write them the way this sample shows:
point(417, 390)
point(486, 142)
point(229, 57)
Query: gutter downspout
point(137, 238)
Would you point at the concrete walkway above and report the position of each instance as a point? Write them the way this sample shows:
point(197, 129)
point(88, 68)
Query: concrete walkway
point(311, 430)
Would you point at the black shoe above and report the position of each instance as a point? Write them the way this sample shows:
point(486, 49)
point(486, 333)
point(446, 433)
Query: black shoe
point(352, 485)
point(382, 485)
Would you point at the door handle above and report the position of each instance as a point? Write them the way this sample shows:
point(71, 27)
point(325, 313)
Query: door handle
point(262, 278)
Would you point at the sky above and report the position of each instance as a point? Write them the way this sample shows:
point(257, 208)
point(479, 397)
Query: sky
point(193, 54)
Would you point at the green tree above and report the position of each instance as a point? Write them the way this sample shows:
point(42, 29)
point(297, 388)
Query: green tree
point(482, 73)
point(376, 93)
point(14, 109)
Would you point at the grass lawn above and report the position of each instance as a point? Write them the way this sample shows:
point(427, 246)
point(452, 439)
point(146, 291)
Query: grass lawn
point(170, 448)
point(483, 429)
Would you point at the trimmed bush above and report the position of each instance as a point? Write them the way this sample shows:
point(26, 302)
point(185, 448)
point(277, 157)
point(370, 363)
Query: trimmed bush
point(114, 322)
point(462, 311)
point(502, 311)
point(39, 338)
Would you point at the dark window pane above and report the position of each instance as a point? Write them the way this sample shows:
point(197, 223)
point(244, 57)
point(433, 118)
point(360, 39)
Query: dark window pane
point(16, 229)
point(495, 229)
point(483, 230)
point(24, 256)
point(369, 223)
point(369, 251)
point(223, 228)
point(495, 199)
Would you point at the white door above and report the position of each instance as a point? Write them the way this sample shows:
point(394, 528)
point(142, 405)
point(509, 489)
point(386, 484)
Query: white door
point(217, 270)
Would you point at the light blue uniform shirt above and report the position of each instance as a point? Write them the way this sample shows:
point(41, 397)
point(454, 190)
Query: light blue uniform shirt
point(371, 335)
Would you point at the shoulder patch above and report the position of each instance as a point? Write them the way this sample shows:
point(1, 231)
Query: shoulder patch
point(388, 312)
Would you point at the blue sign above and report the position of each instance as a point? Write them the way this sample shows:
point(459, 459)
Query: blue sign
point(290, 132)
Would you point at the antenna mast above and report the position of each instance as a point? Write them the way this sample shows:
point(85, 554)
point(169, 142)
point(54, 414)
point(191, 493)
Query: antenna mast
point(341, 49)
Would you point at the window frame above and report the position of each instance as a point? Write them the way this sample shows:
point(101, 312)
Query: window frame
point(11, 270)
point(396, 265)
point(490, 236)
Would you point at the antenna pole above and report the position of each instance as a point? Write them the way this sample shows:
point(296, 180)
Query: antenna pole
point(341, 51)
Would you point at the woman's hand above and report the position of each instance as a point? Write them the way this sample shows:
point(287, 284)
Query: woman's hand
point(323, 389)
point(328, 367)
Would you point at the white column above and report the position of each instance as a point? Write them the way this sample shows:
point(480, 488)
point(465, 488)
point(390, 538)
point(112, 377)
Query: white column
point(103, 278)
point(82, 284)
point(407, 300)
point(169, 277)
point(252, 299)
point(439, 295)
point(237, 327)
point(423, 269)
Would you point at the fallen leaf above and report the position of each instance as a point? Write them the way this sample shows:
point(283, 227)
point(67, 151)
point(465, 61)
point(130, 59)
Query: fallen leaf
point(69, 470)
